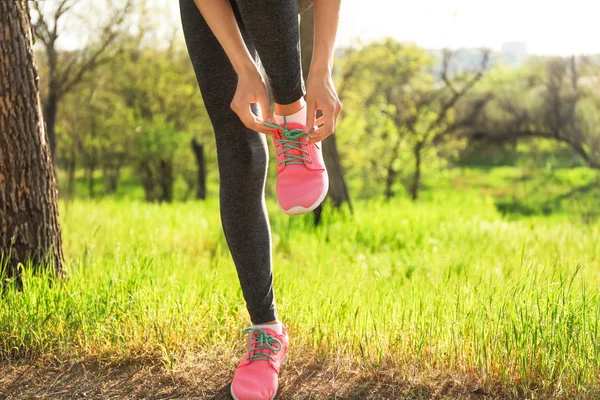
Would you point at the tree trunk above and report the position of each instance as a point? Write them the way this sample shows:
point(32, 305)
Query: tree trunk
point(307, 40)
point(72, 166)
point(29, 226)
point(416, 183)
point(389, 182)
point(91, 170)
point(166, 180)
point(338, 189)
point(111, 173)
point(112, 181)
point(50, 111)
point(391, 172)
point(199, 153)
point(148, 182)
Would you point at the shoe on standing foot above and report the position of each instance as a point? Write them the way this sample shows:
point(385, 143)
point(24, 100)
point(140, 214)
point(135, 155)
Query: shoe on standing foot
point(256, 376)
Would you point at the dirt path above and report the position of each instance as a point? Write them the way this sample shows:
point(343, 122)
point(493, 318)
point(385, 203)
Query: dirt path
point(209, 378)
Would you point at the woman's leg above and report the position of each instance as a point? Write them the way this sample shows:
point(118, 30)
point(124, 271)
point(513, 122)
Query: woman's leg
point(272, 25)
point(243, 158)
point(273, 28)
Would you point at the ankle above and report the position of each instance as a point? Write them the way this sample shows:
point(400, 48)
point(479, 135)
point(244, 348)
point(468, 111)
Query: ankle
point(288, 109)
point(275, 325)
point(274, 322)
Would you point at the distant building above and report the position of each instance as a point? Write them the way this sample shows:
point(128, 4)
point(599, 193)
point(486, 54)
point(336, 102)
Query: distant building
point(513, 53)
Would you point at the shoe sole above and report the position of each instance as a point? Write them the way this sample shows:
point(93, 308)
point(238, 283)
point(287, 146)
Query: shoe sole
point(235, 398)
point(301, 210)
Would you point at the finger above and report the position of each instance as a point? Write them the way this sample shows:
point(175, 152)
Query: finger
point(319, 121)
point(311, 111)
point(250, 120)
point(319, 135)
point(265, 106)
point(329, 122)
point(337, 111)
point(259, 126)
point(245, 114)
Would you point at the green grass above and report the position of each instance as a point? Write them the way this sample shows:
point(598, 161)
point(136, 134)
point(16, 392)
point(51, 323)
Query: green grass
point(446, 285)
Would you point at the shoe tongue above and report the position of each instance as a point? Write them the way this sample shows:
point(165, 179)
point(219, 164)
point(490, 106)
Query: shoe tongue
point(254, 343)
point(301, 139)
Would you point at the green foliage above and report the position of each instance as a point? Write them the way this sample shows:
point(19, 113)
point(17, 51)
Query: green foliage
point(141, 111)
point(553, 99)
point(379, 86)
point(408, 120)
point(156, 139)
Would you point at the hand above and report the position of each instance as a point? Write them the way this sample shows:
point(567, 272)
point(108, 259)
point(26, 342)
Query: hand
point(321, 95)
point(251, 89)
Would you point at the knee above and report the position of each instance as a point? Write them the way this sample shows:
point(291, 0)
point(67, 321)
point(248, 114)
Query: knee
point(243, 162)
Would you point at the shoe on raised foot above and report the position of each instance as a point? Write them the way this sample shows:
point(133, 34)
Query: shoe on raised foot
point(302, 180)
point(256, 376)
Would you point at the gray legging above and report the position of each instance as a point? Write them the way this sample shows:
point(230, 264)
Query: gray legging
point(270, 29)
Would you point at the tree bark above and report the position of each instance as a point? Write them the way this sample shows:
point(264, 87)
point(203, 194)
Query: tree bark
point(148, 182)
point(338, 189)
point(90, 172)
point(50, 110)
point(29, 226)
point(416, 183)
point(199, 153)
point(111, 175)
point(391, 172)
point(111, 170)
point(72, 166)
point(389, 182)
point(93, 159)
point(166, 180)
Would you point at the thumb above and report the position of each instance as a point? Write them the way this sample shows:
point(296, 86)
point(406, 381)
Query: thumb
point(311, 110)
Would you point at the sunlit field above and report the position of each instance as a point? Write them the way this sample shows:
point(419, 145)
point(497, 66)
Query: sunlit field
point(443, 289)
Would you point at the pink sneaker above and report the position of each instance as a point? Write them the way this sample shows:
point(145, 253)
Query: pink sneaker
point(302, 180)
point(256, 375)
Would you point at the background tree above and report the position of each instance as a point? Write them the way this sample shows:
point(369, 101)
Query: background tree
point(67, 69)
point(160, 88)
point(410, 116)
point(554, 99)
point(143, 112)
point(29, 227)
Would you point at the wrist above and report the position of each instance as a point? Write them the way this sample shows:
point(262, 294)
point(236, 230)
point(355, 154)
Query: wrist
point(321, 69)
point(245, 68)
point(322, 61)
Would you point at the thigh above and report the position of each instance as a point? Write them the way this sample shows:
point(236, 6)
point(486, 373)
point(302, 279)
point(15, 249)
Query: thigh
point(216, 77)
point(273, 27)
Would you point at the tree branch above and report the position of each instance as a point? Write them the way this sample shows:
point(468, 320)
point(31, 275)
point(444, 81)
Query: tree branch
point(74, 72)
point(447, 57)
point(458, 94)
point(575, 145)
point(41, 29)
point(477, 109)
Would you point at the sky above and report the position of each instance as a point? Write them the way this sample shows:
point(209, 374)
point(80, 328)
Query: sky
point(556, 27)
point(559, 27)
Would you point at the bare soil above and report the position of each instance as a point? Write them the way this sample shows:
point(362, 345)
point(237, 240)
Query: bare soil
point(208, 376)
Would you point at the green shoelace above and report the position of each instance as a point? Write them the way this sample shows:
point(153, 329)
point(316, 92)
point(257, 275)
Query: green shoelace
point(290, 140)
point(259, 344)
